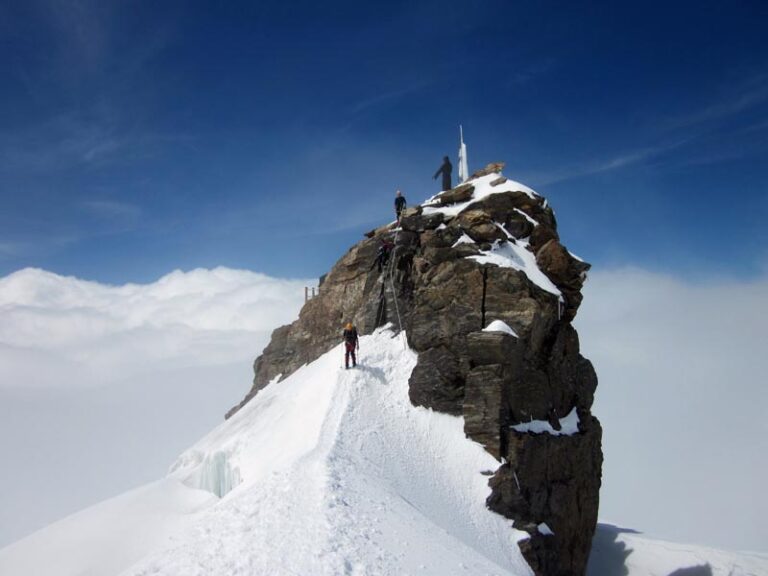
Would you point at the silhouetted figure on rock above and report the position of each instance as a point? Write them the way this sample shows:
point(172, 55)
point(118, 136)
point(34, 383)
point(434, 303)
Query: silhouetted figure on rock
point(399, 204)
point(382, 256)
point(445, 170)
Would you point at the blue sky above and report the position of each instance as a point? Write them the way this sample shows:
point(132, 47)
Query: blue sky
point(136, 138)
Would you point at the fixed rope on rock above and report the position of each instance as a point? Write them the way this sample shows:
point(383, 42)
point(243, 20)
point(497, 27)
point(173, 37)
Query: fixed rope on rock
point(392, 284)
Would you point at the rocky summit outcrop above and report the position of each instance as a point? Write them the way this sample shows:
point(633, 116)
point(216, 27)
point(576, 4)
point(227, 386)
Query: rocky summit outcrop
point(486, 293)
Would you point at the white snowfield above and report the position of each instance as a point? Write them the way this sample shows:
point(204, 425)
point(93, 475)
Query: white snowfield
point(622, 552)
point(330, 472)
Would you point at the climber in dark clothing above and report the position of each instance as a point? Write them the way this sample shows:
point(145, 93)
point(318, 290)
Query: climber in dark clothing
point(445, 170)
point(351, 343)
point(382, 256)
point(399, 204)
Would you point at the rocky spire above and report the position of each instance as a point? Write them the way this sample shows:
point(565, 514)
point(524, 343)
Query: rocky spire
point(486, 293)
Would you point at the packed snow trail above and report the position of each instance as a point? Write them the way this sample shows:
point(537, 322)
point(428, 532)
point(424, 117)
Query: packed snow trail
point(342, 475)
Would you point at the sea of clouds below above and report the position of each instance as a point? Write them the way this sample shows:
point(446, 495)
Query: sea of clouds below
point(101, 386)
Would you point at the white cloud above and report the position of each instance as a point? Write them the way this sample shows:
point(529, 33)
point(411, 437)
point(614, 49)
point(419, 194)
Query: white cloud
point(111, 209)
point(609, 164)
point(682, 395)
point(101, 387)
point(65, 332)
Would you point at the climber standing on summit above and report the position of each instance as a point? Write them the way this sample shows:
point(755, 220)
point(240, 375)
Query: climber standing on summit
point(351, 343)
point(399, 205)
point(445, 170)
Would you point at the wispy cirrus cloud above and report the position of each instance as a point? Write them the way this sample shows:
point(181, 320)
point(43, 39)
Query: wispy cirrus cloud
point(69, 139)
point(700, 127)
point(528, 73)
point(56, 142)
point(83, 91)
point(743, 96)
point(14, 247)
point(598, 166)
point(111, 208)
point(385, 98)
point(10, 249)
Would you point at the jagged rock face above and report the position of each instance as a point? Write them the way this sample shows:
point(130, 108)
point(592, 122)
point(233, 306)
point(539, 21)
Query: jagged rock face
point(552, 478)
point(445, 283)
point(349, 293)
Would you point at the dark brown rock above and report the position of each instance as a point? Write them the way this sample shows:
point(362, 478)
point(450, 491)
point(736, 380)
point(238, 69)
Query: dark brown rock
point(411, 211)
point(499, 180)
point(492, 379)
point(518, 225)
point(501, 206)
point(492, 168)
point(437, 381)
point(565, 271)
point(561, 490)
point(529, 395)
point(532, 313)
point(407, 239)
point(572, 376)
point(540, 235)
point(421, 222)
point(443, 238)
point(486, 348)
point(482, 407)
point(466, 250)
point(479, 226)
point(461, 193)
point(438, 315)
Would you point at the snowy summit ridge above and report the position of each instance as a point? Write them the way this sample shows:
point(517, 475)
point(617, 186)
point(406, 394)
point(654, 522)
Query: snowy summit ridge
point(486, 253)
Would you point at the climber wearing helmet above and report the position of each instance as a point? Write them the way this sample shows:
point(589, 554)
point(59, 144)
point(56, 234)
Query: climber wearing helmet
point(351, 342)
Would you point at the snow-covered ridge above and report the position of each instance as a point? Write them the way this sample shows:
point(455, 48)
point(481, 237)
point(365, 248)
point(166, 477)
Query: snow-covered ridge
point(482, 189)
point(343, 470)
point(338, 474)
point(513, 253)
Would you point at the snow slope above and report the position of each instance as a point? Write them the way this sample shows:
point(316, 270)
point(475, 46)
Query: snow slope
point(108, 537)
point(621, 552)
point(328, 472)
point(331, 472)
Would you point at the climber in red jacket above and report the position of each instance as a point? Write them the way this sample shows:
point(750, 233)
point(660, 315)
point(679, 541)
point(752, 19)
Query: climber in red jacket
point(351, 343)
